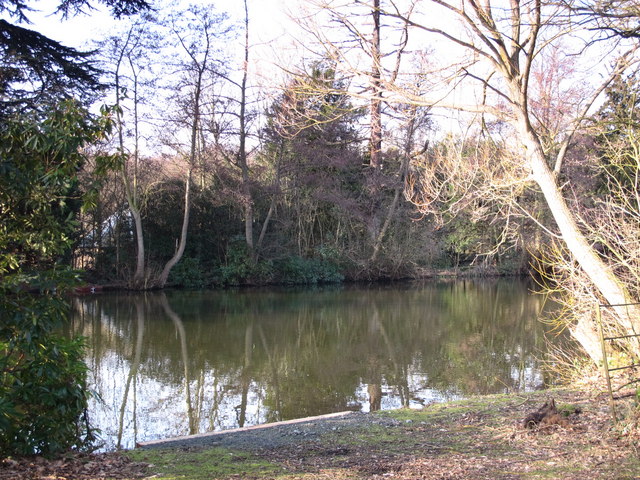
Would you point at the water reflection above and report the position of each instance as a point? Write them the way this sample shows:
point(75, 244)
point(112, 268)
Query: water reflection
point(175, 363)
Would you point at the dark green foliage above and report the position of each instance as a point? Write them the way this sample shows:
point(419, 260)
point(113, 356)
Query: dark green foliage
point(43, 391)
point(620, 112)
point(306, 271)
point(21, 8)
point(238, 265)
point(239, 268)
point(119, 8)
point(35, 71)
point(42, 375)
point(619, 120)
point(189, 273)
point(40, 156)
point(210, 225)
point(463, 241)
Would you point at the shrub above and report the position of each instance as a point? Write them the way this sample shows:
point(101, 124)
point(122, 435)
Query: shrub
point(238, 266)
point(306, 271)
point(42, 376)
point(189, 273)
point(43, 392)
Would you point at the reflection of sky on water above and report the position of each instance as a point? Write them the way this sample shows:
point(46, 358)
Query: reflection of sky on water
point(161, 409)
point(247, 367)
point(156, 410)
point(391, 399)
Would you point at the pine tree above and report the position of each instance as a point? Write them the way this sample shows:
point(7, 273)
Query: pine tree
point(36, 71)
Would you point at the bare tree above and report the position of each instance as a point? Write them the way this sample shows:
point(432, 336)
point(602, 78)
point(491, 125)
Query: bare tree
point(356, 35)
point(413, 118)
point(128, 56)
point(243, 160)
point(230, 129)
point(197, 73)
point(494, 49)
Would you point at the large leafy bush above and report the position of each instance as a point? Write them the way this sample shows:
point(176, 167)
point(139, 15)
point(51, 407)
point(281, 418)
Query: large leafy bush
point(43, 393)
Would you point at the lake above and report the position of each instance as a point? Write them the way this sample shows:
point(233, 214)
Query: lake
point(181, 362)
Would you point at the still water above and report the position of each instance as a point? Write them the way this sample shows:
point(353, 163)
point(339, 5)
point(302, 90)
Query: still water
point(179, 362)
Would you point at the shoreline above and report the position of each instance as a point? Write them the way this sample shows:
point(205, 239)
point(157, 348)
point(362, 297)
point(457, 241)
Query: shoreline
point(478, 438)
point(211, 437)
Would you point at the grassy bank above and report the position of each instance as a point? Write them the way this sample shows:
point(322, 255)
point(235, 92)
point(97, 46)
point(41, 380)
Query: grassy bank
point(480, 438)
point(477, 438)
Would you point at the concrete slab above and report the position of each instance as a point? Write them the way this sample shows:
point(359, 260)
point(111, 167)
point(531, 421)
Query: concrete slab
point(211, 437)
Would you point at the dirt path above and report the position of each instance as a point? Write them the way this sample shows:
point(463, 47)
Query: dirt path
point(475, 439)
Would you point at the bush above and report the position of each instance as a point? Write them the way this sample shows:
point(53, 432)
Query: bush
point(42, 376)
point(43, 392)
point(306, 271)
point(240, 269)
point(189, 273)
point(238, 266)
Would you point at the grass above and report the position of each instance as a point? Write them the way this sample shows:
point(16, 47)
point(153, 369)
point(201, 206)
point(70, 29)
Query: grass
point(203, 464)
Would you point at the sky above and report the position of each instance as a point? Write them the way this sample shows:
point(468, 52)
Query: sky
point(274, 36)
point(268, 20)
point(271, 30)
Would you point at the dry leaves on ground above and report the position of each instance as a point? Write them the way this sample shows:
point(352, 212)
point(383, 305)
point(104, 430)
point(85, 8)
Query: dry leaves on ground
point(73, 467)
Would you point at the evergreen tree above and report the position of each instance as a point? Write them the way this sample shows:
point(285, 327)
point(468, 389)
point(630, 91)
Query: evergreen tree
point(312, 134)
point(35, 70)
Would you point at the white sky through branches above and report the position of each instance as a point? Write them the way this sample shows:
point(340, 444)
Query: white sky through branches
point(270, 28)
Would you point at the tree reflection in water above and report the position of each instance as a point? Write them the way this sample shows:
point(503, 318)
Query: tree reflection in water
point(248, 357)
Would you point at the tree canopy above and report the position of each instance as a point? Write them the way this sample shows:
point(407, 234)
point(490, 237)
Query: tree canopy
point(36, 70)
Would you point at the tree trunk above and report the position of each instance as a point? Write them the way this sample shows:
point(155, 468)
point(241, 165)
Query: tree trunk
point(133, 194)
point(139, 275)
point(130, 182)
point(404, 169)
point(376, 97)
point(200, 68)
point(164, 276)
point(244, 165)
point(274, 198)
point(375, 134)
point(596, 269)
